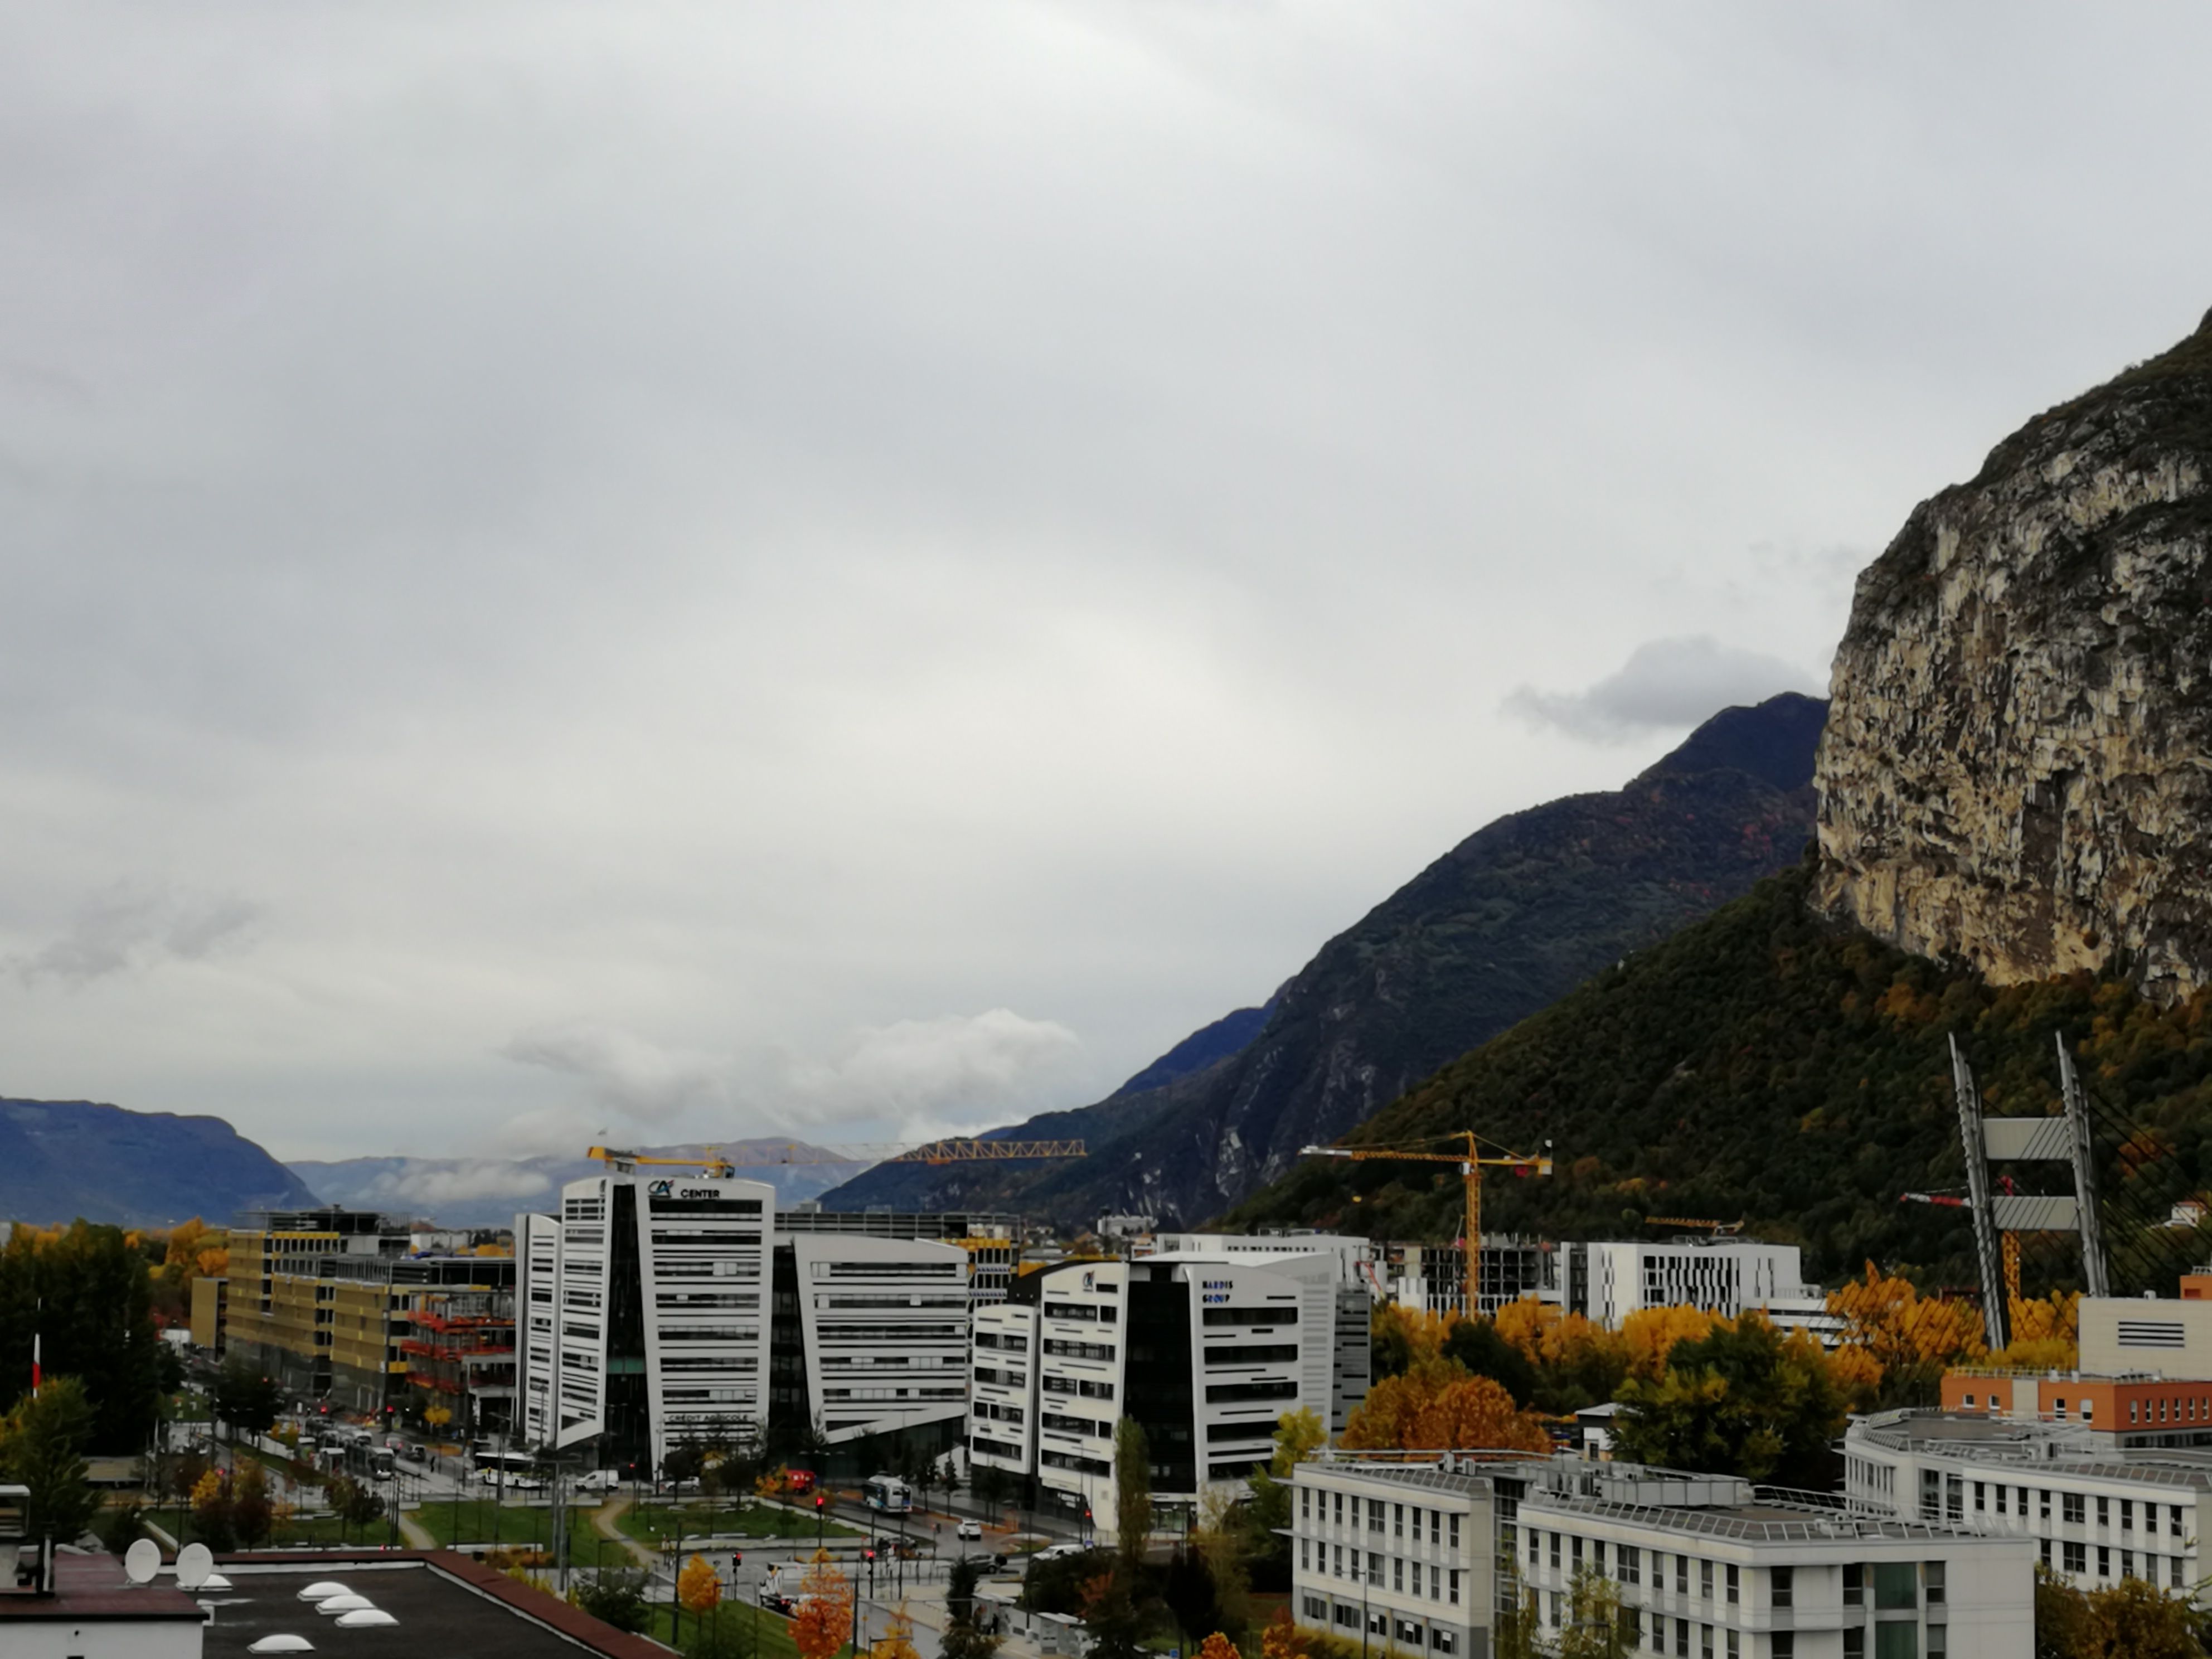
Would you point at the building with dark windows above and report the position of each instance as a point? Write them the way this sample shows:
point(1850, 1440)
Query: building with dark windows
point(660, 1310)
point(1205, 1351)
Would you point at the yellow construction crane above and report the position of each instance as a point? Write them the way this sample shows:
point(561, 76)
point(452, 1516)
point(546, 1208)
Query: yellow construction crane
point(958, 1150)
point(1472, 1162)
point(1717, 1229)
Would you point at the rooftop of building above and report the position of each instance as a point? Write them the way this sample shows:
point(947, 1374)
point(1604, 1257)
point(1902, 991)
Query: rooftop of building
point(444, 1602)
point(1412, 1477)
point(1768, 1518)
point(2058, 1448)
point(94, 1590)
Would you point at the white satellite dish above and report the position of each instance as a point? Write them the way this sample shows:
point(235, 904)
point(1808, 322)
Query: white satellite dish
point(337, 1604)
point(363, 1618)
point(323, 1588)
point(194, 1563)
point(141, 1561)
point(282, 1645)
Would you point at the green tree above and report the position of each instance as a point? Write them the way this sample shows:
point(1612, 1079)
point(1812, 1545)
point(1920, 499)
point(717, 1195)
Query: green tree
point(1132, 1493)
point(617, 1597)
point(42, 1447)
point(85, 1294)
point(1476, 1345)
point(1741, 1402)
point(1594, 1628)
point(1220, 1539)
point(1110, 1611)
point(1188, 1589)
point(2130, 1620)
point(251, 1515)
point(245, 1399)
point(1266, 1520)
point(961, 1638)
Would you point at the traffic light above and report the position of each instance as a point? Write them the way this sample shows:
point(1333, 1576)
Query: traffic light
point(819, 1500)
point(737, 1560)
point(870, 1554)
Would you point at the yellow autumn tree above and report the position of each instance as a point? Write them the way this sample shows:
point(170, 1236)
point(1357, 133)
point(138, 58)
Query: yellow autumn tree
point(1525, 1323)
point(2044, 1334)
point(1900, 1329)
point(774, 1483)
point(1650, 1335)
point(824, 1620)
point(1218, 1646)
point(699, 1587)
point(1283, 1639)
point(897, 1641)
point(1437, 1406)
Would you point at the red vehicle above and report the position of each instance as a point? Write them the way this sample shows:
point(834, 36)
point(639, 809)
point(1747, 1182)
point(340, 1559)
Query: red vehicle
point(802, 1481)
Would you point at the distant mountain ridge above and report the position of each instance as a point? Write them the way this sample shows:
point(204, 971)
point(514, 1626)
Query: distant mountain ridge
point(62, 1159)
point(1507, 922)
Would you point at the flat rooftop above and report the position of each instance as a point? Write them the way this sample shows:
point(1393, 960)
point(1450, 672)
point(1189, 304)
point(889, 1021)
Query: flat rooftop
point(2015, 1446)
point(1755, 1522)
point(93, 1590)
point(445, 1603)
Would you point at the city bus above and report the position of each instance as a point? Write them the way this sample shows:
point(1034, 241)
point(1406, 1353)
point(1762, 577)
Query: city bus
point(887, 1493)
point(516, 1469)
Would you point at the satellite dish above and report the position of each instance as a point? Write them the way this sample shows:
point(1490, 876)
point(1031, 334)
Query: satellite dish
point(141, 1561)
point(282, 1645)
point(194, 1563)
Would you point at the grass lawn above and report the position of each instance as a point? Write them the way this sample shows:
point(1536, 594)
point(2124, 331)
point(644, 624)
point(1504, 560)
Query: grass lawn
point(733, 1623)
point(301, 1530)
point(479, 1521)
point(649, 1523)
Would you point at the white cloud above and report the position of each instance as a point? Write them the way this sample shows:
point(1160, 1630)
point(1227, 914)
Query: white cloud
point(431, 1183)
point(933, 1075)
point(626, 1073)
point(136, 925)
point(912, 1080)
point(1665, 684)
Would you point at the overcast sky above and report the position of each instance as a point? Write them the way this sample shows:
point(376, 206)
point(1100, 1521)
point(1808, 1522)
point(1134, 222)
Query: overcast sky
point(863, 569)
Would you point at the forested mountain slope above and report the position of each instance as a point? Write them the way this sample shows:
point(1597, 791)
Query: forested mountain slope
point(1768, 1064)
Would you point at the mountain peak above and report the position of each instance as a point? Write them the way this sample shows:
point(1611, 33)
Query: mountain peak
point(1774, 741)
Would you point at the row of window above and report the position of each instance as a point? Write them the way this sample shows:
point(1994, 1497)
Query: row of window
point(1898, 1585)
point(1080, 1350)
point(1086, 1388)
point(2076, 1559)
point(1332, 1559)
point(1002, 1379)
point(1943, 1496)
point(1082, 1310)
point(1892, 1641)
point(1374, 1508)
point(1405, 1632)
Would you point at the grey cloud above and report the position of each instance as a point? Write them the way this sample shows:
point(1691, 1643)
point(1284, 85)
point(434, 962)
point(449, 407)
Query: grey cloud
point(137, 924)
point(430, 1183)
point(1665, 684)
point(752, 522)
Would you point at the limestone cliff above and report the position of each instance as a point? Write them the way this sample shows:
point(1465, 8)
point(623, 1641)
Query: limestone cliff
point(2017, 768)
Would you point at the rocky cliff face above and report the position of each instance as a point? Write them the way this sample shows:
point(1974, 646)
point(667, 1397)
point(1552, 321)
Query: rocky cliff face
point(2017, 768)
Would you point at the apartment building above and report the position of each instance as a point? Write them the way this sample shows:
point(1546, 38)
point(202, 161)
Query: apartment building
point(1398, 1559)
point(1431, 1278)
point(2093, 1510)
point(1205, 1351)
point(1711, 1566)
point(325, 1301)
point(658, 1309)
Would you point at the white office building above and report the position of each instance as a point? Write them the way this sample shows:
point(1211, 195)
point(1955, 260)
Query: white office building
point(1205, 1351)
point(1608, 1280)
point(1398, 1559)
point(1708, 1565)
point(2094, 1512)
point(655, 1309)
